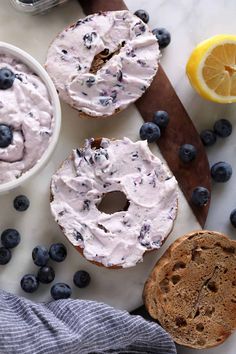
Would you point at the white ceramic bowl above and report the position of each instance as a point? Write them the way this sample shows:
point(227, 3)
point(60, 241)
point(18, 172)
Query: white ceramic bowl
point(41, 72)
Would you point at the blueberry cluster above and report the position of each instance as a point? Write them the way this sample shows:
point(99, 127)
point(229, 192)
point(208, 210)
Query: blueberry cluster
point(222, 128)
point(7, 78)
point(10, 238)
point(46, 274)
point(220, 171)
point(151, 131)
point(162, 35)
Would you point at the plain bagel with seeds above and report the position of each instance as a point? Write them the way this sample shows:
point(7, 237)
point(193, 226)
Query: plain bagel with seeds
point(191, 291)
point(103, 62)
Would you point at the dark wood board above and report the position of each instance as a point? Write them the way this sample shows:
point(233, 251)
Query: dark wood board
point(162, 96)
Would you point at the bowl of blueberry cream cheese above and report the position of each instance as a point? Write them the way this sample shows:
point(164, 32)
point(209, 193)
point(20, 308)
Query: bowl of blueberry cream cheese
point(30, 117)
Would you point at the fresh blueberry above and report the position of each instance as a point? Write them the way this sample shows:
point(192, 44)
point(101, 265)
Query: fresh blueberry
point(200, 196)
point(221, 172)
point(81, 278)
point(5, 255)
point(223, 128)
point(60, 291)
point(10, 238)
point(58, 252)
point(163, 36)
point(143, 15)
point(40, 256)
point(46, 275)
point(208, 137)
point(29, 283)
point(233, 218)
point(5, 136)
point(187, 152)
point(161, 118)
point(149, 131)
point(21, 203)
point(7, 78)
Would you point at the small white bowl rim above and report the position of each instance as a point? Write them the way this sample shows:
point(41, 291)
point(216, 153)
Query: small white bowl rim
point(41, 72)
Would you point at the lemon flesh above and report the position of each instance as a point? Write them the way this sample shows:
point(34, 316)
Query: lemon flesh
point(211, 69)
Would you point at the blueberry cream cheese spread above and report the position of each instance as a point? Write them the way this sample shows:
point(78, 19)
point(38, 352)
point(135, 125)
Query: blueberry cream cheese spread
point(26, 118)
point(104, 62)
point(89, 173)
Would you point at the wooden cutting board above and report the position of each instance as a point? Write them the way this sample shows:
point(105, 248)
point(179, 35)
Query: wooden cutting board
point(162, 96)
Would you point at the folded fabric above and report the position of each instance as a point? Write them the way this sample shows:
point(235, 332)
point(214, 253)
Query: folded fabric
point(75, 327)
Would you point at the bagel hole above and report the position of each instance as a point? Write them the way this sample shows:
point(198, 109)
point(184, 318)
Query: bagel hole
point(180, 322)
point(179, 265)
point(175, 279)
point(113, 202)
point(200, 327)
point(101, 58)
point(212, 286)
point(164, 285)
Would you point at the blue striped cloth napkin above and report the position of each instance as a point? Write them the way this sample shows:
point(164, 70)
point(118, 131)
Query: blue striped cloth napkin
point(75, 327)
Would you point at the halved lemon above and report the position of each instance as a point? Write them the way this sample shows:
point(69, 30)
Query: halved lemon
point(211, 68)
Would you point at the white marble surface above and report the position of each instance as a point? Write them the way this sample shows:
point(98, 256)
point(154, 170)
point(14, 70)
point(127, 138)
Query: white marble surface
point(189, 21)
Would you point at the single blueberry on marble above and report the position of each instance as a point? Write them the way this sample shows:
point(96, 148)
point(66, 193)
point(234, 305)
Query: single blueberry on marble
point(208, 137)
point(200, 196)
point(40, 256)
point(161, 118)
point(46, 274)
point(223, 128)
point(187, 152)
point(163, 36)
point(221, 172)
point(29, 283)
point(6, 135)
point(7, 78)
point(143, 15)
point(81, 279)
point(149, 131)
point(233, 217)
point(5, 255)
point(10, 238)
point(60, 291)
point(58, 252)
point(21, 203)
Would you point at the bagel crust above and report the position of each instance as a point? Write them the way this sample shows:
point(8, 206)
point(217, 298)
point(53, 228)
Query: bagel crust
point(192, 289)
point(103, 62)
point(114, 238)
